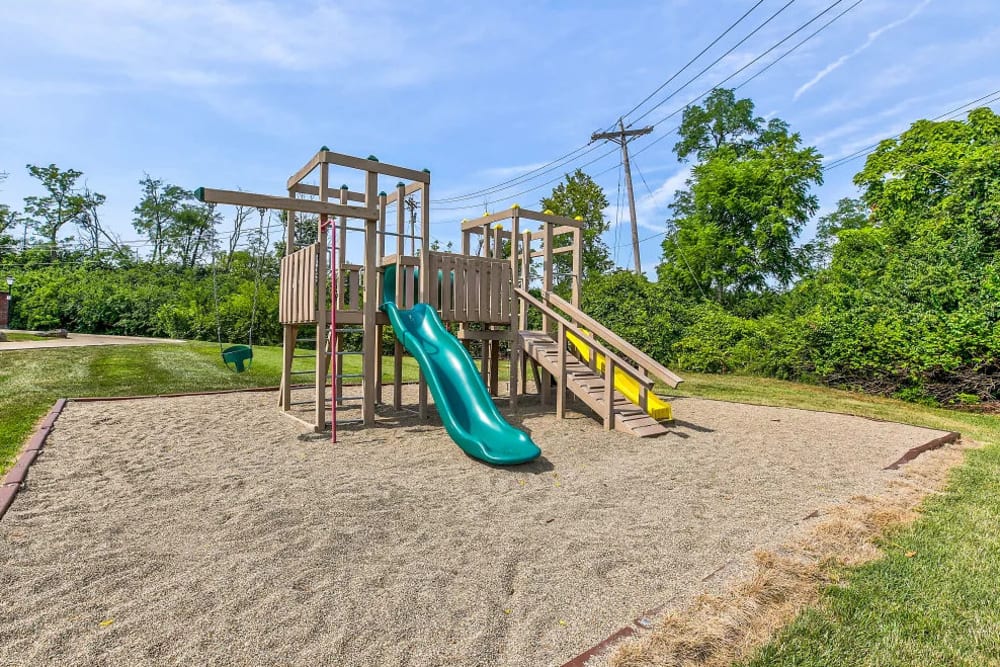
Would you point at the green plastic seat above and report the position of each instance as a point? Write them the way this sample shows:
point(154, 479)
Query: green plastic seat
point(238, 357)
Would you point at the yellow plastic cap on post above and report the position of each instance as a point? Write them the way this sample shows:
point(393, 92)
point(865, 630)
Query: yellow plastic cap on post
point(579, 218)
point(548, 211)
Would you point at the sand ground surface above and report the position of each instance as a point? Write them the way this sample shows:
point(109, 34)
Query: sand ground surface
point(213, 531)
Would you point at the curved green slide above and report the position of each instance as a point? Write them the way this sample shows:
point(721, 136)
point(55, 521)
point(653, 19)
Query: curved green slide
point(461, 398)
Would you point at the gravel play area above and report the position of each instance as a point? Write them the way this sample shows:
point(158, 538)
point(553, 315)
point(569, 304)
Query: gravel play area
point(211, 531)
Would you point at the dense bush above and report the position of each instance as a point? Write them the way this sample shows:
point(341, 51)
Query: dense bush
point(148, 300)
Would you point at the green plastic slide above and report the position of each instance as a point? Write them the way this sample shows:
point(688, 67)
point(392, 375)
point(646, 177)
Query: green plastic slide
point(461, 398)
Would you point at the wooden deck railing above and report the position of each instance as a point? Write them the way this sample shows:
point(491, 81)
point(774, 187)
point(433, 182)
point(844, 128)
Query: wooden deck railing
point(640, 358)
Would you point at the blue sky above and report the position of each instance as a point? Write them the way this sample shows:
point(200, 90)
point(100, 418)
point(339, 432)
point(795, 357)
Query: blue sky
point(237, 94)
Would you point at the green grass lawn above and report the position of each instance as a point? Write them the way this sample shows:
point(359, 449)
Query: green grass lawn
point(941, 606)
point(31, 380)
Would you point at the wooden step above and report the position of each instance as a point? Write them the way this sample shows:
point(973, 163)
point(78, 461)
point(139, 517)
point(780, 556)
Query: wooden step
point(584, 383)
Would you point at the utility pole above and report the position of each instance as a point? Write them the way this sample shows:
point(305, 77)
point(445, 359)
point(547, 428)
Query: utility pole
point(621, 137)
point(411, 203)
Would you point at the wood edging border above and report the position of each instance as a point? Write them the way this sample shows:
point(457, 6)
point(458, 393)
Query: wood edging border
point(914, 452)
point(14, 479)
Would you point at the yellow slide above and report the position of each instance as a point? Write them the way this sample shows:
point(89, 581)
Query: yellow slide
point(629, 388)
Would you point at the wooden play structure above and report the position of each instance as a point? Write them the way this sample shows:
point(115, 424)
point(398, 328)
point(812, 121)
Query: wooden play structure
point(481, 294)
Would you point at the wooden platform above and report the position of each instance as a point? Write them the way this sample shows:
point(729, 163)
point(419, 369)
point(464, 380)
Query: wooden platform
point(588, 386)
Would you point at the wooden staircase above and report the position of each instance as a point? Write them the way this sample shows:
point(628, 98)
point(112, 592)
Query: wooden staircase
point(589, 386)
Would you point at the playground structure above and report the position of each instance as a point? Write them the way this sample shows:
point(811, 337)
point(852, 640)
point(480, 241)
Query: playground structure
point(481, 295)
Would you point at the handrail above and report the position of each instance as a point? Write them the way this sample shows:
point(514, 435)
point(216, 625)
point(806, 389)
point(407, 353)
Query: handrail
point(648, 364)
point(620, 363)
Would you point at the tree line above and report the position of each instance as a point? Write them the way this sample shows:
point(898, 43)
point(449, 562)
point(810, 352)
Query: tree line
point(897, 293)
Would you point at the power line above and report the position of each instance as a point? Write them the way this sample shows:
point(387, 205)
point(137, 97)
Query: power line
point(748, 65)
point(867, 150)
point(714, 62)
point(579, 152)
point(692, 61)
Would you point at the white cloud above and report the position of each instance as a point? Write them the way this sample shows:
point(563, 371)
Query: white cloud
point(196, 44)
point(872, 37)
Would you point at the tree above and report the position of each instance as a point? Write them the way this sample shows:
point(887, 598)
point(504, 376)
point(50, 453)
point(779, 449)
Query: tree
point(62, 204)
point(724, 121)
point(942, 174)
point(580, 196)
point(190, 236)
point(161, 202)
point(734, 227)
point(849, 214)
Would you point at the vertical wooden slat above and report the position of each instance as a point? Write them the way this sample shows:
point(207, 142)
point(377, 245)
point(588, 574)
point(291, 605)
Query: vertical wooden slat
point(447, 285)
point(577, 265)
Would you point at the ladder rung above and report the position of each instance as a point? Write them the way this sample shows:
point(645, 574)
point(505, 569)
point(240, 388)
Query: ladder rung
point(302, 403)
point(349, 421)
point(350, 375)
point(305, 340)
point(348, 352)
point(354, 330)
point(303, 356)
point(301, 372)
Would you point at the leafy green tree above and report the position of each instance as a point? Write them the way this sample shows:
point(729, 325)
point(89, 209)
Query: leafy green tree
point(191, 236)
point(579, 196)
point(850, 214)
point(945, 171)
point(63, 203)
point(160, 204)
point(734, 228)
point(721, 121)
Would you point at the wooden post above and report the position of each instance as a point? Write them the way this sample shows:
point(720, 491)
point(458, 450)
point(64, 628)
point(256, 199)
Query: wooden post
point(546, 271)
point(546, 287)
point(288, 332)
point(321, 303)
point(337, 367)
point(370, 344)
point(561, 390)
point(288, 359)
point(397, 349)
point(514, 367)
point(577, 265)
point(425, 275)
point(381, 226)
point(609, 393)
point(523, 314)
point(495, 367)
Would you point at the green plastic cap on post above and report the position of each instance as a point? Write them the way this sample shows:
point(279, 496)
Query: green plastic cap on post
point(426, 171)
point(382, 194)
point(401, 184)
point(373, 158)
point(324, 148)
point(344, 187)
point(199, 194)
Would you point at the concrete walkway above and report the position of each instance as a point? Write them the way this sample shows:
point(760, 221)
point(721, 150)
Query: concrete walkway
point(81, 340)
